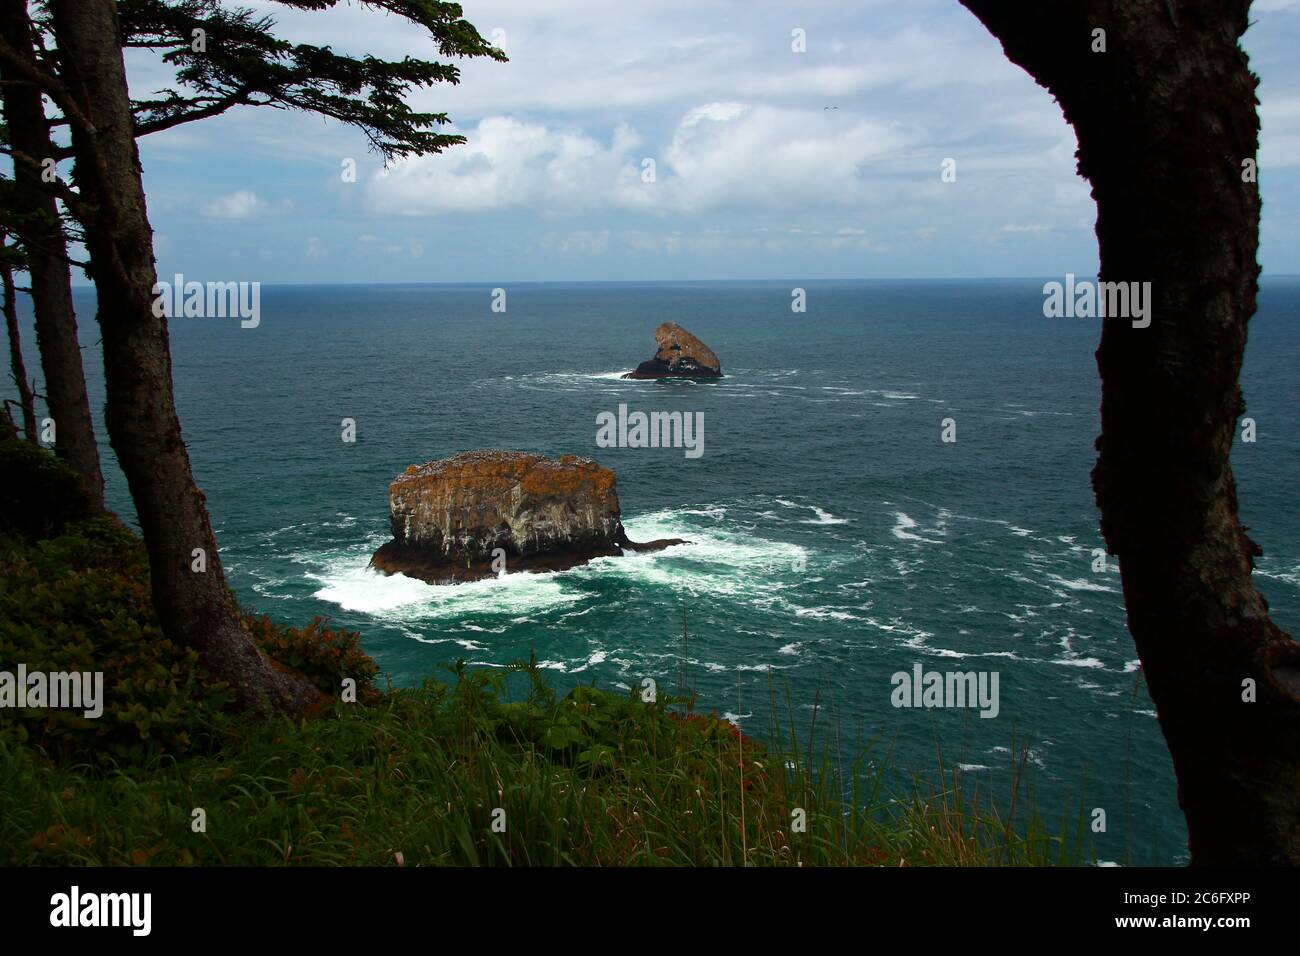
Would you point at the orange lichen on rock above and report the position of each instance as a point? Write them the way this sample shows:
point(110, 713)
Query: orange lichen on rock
point(451, 518)
point(464, 517)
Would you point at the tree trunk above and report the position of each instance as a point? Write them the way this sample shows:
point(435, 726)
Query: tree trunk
point(42, 235)
point(17, 366)
point(1166, 120)
point(194, 604)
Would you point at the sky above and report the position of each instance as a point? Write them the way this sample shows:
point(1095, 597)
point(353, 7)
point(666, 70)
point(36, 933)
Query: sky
point(768, 162)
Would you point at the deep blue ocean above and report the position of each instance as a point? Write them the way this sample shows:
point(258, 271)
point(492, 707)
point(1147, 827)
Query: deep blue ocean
point(836, 539)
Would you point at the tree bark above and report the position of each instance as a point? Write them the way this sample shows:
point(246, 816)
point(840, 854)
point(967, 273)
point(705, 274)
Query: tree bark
point(194, 606)
point(1165, 119)
point(18, 367)
point(39, 229)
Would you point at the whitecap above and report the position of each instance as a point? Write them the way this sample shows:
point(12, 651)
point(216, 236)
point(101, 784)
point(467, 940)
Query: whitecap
point(824, 517)
point(1080, 584)
point(1090, 662)
point(902, 530)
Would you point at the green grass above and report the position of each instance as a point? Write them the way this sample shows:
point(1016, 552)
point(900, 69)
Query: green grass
point(589, 779)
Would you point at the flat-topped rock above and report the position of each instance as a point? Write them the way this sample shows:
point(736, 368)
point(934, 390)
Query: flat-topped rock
point(679, 355)
point(449, 516)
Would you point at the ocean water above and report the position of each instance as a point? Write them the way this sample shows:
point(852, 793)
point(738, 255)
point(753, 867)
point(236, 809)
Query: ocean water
point(836, 539)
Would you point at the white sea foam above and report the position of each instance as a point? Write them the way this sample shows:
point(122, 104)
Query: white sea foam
point(1080, 584)
point(823, 517)
point(902, 530)
point(363, 589)
point(825, 614)
point(716, 561)
point(348, 581)
point(1090, 662)
point(901, 525)
point(593, 659)
point(1290, 576)
point(716, 512)
point(918, 644)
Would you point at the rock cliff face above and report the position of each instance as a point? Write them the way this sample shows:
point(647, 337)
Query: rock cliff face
point(679, 355)
point(448, 516)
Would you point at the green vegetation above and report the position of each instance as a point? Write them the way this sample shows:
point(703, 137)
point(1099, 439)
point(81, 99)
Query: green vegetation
point(407, 777)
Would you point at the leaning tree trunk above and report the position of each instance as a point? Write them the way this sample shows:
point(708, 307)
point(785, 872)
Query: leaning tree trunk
point(17, 367)
point(42, 236)
point(193, 602)
point(1166, 122)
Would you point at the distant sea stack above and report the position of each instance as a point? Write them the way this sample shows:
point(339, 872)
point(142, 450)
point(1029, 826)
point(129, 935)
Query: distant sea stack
point(679, 355)
point(448, 516)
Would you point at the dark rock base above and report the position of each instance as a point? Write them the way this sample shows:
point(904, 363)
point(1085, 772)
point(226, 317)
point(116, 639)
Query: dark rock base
point(683, 368)
point(397, 558)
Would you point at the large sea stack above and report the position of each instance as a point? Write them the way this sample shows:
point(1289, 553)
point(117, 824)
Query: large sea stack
point(448, 516)
point(679, 355)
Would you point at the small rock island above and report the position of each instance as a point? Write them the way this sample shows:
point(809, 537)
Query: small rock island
point(448, 516)
point(679, 355)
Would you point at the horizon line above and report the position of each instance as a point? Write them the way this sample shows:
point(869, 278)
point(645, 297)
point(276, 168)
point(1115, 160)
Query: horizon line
point(499, 282)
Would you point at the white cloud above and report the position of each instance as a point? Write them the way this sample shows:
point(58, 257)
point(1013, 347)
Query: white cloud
point(509, 163)
point(242, 204)
point(737, 155)
point(720, 154)
point(795, 167)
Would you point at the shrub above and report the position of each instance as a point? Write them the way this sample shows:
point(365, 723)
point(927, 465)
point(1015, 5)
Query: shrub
point(39, 494)
point(324, 655)
point(79, 600)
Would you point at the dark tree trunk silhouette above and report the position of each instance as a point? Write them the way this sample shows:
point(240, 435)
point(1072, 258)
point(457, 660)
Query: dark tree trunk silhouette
point(42, 235)
point(18, 367)
point(195, 606)
point(1166, 121)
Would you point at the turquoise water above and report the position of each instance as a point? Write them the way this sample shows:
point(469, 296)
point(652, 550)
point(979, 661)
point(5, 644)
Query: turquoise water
point(836, 539)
